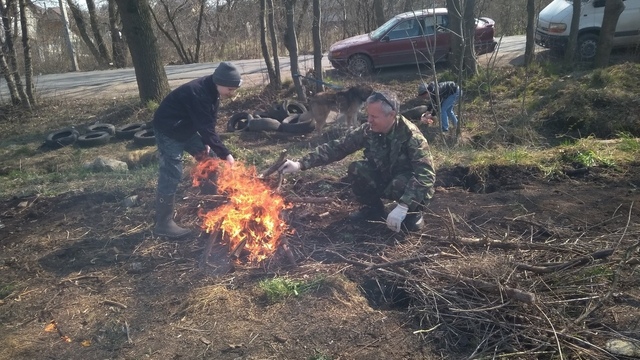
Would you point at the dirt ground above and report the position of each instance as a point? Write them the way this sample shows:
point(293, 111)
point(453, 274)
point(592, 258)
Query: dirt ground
point(511, 263)
point(114, 291)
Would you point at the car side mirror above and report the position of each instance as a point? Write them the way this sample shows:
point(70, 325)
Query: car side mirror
point(385, 38)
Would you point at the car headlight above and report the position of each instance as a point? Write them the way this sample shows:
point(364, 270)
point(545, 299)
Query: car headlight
point(557, 27)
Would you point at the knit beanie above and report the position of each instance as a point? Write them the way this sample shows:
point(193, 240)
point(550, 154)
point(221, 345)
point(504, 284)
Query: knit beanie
point(226, 74)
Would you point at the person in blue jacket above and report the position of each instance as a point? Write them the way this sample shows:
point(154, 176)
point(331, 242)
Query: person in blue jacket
point(186, 121)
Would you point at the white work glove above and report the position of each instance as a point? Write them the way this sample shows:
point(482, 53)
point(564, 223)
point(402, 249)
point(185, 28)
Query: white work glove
point(289, 167)
point(230, 160)
point(394, 220)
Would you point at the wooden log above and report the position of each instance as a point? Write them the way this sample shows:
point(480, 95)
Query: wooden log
point(273, 168)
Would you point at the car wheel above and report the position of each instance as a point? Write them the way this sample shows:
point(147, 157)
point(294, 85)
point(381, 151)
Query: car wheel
point(360, 65)
point(108, 128)
point(62, 137)
point(144, 137)
point(128, 131)
point(238, 121)
point(587, 46)
point(93, 138)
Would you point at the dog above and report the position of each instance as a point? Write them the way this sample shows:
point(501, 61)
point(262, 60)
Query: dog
point(347, 102)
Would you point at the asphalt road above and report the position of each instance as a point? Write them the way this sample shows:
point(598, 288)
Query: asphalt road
point(119, 82)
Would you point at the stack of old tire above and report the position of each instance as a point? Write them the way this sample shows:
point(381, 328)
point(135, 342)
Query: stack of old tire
point(284, 117)
point(100, 134)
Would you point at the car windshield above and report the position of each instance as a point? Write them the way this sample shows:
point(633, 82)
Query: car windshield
point(379, 32)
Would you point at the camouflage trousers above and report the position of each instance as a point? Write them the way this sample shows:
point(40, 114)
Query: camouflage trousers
point(369, 186)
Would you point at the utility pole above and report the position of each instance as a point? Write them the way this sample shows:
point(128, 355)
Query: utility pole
point(67, 36)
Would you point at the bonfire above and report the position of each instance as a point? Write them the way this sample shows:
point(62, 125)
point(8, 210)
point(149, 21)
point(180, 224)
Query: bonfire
point(251, 218)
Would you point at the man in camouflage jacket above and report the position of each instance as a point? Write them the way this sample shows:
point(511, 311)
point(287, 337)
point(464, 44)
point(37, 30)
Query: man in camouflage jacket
point(397, 164)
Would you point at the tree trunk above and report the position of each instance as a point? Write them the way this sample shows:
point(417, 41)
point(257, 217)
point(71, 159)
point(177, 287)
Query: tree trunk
point(378, 10)
point(118, 47)
point(612, 11)
point(273, 80)
point(301, 20)
point(196, 56)
point(26, 47)
point(291, 43)
point(138, 31)
point(274, 43)
point(82, 29)
point(570, 51)
point(67, 36)
point(317, 45)
point(530, 45)
point(468, 36)
point(97, 35)
point(9, 12)
point(456, 57)
point(11, 85)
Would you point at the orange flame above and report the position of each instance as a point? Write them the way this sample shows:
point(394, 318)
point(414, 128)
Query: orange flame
point(252, 213)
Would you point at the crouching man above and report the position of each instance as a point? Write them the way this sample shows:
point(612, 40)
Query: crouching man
point(397, 165)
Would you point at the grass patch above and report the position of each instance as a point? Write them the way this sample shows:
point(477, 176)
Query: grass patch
point(6, 290)
point(280, 288)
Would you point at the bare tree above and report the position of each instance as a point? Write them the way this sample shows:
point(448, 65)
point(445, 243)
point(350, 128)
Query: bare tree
point(10, 11)
point(67, 37)
point(97, 35)
point(612, 11)
point(570, 51)
point(530, 45)
point(378, 10)
point(118, 46)
point(26, 48)
point(317, 45)
point(274, 41)
point(76, 12)
point(138, 30)
point(187, 55)
point(470, 61)
point(273, 79)
point(291, 43)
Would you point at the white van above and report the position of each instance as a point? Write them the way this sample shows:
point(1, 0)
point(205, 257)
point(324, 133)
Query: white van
point(554, 25)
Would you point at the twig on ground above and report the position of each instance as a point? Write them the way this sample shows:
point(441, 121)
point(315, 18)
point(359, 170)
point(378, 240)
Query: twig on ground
point(114, 303)
point(600, 254)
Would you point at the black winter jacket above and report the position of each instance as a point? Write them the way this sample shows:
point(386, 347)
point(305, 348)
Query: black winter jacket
point(445, 88)
point(189, 109)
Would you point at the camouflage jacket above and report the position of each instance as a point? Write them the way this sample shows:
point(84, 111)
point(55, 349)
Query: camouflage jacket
point(403, 150)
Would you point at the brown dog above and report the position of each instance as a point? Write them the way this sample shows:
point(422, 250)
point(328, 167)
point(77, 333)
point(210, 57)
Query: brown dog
point(347, 102)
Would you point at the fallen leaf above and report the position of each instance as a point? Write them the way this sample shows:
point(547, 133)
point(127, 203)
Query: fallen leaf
point(86, 343)
point(65, 338)
point(205, 341)
point(51, 327)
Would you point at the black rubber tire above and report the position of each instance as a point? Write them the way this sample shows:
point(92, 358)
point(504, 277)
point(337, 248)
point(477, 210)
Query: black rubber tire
point(295, 107)
point(238, 121)
point(144, 137)
point(263, 124)
point(278, 112)
point(291, 119)
point(93, 138)
point(127, 132)
point(298, 128)
point(62, 137)
point(360, 65)
point(108, 128)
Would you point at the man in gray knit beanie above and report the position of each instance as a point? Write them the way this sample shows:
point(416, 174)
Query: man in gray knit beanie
point(186, 121)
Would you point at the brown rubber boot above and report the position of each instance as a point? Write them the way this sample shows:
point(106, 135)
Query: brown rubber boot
point(165, 226)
